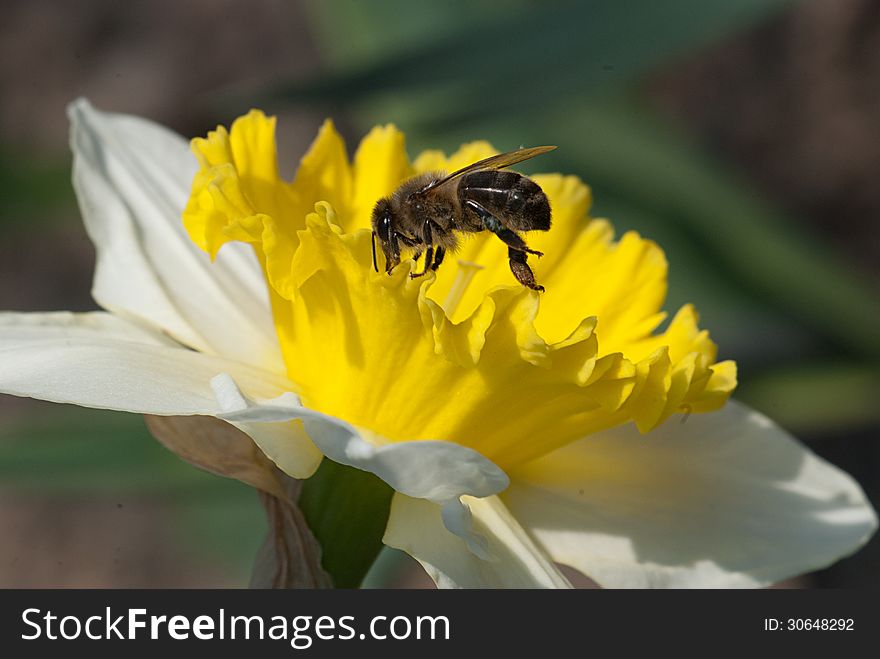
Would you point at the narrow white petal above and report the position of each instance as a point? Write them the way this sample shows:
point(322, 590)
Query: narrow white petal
point(19, 326)
point(132, 178)
point(416, 527)
point(98, 360)
point(726, 499)
point(441, 472)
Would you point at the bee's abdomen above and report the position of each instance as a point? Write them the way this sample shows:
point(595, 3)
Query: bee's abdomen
point(514, 199)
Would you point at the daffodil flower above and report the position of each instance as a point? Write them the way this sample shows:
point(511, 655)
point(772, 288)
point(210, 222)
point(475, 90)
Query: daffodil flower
point(519, 430)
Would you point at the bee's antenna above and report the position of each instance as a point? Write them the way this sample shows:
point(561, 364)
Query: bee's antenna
point(375, 264)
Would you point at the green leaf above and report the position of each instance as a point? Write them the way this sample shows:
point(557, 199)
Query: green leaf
point(820, 397)
point(347, 510)
point(487, 57)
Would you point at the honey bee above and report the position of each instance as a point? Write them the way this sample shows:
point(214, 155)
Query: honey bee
point(426, 211)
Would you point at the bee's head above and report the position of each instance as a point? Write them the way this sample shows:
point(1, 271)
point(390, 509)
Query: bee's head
point(383, 229)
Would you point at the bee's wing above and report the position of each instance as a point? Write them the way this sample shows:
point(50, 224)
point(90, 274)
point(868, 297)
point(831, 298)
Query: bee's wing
point(499, 161)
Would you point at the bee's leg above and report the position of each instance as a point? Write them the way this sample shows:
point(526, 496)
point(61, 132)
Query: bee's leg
point(427, 239)
point(417, 256)
point(517, 249)
point(521, 269)
point(493, 224)
point(429, 255)
point(439, 253)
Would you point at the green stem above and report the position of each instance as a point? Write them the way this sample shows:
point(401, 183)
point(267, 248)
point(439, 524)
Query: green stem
point(347, 510)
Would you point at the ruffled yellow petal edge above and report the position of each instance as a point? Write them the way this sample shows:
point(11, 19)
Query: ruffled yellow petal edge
point(238, 195)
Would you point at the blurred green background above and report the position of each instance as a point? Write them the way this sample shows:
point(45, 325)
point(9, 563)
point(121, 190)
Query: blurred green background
point(740, 135)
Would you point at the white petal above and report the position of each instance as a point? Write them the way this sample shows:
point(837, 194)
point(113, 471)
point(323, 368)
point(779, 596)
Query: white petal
point(98, 360)
point(441, 472)
point(132, 178)
point(415, 526)
point(726, 499)
point(20, 326)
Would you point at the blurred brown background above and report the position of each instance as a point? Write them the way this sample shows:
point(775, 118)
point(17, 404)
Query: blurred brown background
point(787, 99)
